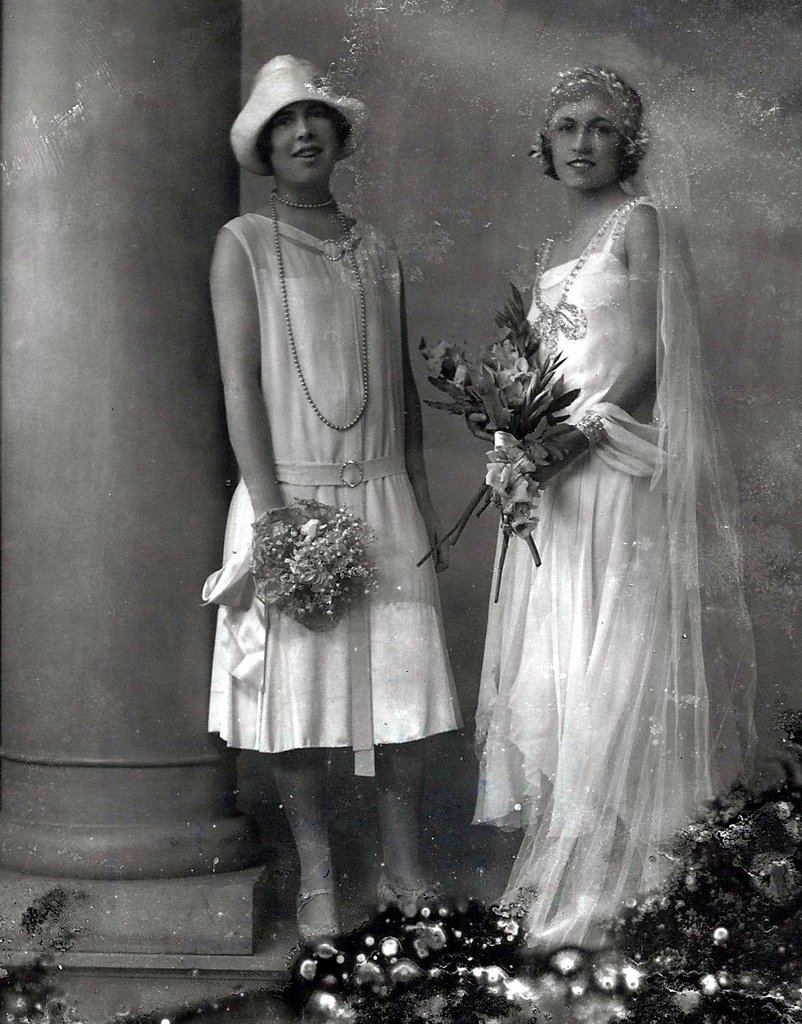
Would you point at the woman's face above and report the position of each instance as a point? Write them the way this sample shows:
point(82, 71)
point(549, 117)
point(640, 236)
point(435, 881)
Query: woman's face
point(585, 143)
point(303, 143)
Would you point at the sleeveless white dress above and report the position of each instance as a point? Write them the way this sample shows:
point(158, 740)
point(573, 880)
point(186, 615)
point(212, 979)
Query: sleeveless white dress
point(275, 684)
point(582, 745)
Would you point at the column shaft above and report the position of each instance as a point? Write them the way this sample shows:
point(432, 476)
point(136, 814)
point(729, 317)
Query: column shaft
point(117, 176)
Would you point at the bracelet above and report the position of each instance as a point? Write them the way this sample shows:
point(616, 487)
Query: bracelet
point(592, 426)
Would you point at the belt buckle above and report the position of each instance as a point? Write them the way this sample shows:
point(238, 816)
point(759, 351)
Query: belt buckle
point(352, 473)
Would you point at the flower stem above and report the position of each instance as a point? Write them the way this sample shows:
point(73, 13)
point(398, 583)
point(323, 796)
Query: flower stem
point(505, 542)
point(533, 548)
point(459, 526)
point(485, 501)
point(484, 492)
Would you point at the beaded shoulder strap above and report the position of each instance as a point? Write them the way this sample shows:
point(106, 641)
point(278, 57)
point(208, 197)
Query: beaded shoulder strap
point(541, 254)
point(611, 221)
point(620, 221)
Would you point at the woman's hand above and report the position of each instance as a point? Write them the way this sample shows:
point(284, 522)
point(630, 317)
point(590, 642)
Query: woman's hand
point(477, 424)
point(548, 472)
point(265, 513)
point(572, 443)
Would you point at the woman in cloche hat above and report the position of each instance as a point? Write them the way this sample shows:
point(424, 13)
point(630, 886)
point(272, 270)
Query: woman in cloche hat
point(321, 404)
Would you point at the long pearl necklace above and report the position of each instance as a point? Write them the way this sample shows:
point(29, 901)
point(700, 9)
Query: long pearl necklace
point(291, 336)
point(564, 317)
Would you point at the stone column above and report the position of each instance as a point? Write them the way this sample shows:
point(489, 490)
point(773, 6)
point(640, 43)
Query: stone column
point(117, 176)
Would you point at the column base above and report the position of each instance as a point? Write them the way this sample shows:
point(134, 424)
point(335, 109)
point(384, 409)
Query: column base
point(105, 819)
point(206, 914)
point(164, 850)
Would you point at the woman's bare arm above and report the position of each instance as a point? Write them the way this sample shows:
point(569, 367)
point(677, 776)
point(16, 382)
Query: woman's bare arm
point(236, 318)
point(642, 246)
point(637, 384)
point(413, 445)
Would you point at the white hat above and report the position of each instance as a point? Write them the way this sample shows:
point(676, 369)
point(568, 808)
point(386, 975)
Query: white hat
point(284, 80)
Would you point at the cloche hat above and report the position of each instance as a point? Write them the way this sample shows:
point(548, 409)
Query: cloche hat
point(284, 80)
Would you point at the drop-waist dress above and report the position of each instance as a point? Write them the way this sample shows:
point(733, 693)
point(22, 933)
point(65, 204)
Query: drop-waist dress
point(276, 685)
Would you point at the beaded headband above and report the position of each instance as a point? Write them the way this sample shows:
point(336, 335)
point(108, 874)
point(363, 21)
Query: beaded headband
point(628, 106)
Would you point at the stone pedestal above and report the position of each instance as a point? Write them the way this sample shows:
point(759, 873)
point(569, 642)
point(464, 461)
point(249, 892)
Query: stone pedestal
point(117, 176)
point(101, 987)
point(52, 917)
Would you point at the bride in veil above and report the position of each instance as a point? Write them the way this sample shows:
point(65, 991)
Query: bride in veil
point(618, 679)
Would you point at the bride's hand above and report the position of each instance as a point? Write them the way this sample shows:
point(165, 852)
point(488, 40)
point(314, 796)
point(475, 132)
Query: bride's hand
point(477, 424)
point(546, 473)
point(571, 442)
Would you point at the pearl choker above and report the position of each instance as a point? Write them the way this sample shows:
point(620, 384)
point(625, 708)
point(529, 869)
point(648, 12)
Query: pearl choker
point(304, 206)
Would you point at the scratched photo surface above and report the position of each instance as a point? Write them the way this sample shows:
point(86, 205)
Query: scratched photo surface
point(117, 174)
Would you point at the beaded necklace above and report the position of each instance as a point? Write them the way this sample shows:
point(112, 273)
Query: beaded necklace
point(564, 317)
point(291, 336)
point(304, 206)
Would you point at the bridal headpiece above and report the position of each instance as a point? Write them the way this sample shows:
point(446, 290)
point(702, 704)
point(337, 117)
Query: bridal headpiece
point(627, 104)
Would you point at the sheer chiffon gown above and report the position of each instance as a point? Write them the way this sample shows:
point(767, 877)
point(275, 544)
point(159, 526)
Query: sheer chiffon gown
point(593, 713)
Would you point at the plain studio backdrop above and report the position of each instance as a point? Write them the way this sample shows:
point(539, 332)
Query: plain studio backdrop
point(455, 91)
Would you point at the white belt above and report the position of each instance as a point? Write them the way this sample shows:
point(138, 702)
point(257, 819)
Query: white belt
point(339, 474)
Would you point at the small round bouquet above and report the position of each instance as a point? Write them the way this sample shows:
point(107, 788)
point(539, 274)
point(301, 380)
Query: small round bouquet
point(309, 561)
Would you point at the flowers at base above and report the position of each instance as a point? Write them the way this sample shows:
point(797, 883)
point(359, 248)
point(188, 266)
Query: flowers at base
point(725, 949)
point(514, 387)
point(310, 561)
point(452, 963)
point(722, 940)
point(30, 995)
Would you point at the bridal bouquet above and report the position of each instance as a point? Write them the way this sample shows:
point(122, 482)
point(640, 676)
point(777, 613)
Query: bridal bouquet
point(309, 560)
point(516, 388)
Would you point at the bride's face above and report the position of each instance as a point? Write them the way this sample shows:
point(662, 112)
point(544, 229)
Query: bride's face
point(586, 144)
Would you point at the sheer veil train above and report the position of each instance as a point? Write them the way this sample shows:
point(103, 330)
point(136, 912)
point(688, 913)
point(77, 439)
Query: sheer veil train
point(596, 829)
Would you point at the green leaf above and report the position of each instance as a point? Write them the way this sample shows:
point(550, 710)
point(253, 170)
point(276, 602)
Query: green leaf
point(554, 450)
point(498, 415)
point(448, 406)
point(563, 401)
point(538, 432)
point(448, 386)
